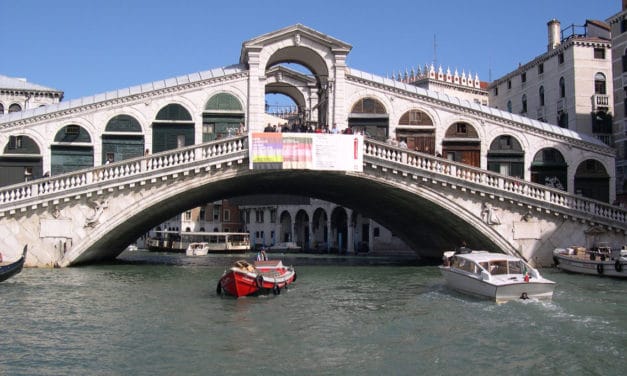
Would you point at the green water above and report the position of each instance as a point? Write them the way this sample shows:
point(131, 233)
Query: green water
point(160, 315)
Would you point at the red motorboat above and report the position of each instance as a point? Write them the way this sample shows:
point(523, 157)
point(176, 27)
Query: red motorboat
point(262, 277)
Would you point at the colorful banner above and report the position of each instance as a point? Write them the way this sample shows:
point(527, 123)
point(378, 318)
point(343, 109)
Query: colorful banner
point(306, 151)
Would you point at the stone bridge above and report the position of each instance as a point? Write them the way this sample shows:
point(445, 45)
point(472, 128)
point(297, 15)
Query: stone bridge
point(431, 203)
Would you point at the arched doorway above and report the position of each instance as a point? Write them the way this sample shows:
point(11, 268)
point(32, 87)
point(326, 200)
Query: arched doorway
point(592, 180)
point(301, 229)
point(461, 143)
point(319, 229)
point(369, 117)
point(122, 139)
point(72, 150)
point(223, 117)
point(173, 128)
point(285, 230)
point(339, 229)
point(416, 128)
point(20, 161)
point(506, 157)
point(549, 168)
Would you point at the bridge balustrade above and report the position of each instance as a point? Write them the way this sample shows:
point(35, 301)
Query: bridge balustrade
point(552, 197)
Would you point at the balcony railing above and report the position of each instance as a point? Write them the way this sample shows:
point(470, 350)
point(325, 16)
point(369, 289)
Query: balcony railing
point(600, 100)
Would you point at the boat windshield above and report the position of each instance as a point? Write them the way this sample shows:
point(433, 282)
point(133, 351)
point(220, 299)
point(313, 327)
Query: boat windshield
point(507, 267)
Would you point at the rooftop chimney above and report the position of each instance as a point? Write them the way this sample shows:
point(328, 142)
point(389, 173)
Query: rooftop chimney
point(555, 33)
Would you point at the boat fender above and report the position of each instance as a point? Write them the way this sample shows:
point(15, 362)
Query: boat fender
point(600, 268)
point(618, 266)
point(259, 281)
point(219, 289)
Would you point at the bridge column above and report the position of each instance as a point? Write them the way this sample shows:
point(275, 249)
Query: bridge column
point(338, 111)
point(350, 247)
point(256, 91)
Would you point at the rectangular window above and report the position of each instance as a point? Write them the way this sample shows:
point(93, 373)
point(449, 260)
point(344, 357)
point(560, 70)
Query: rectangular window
point(259, 216)
point(272, 215)
point(599, 53)
point(623, 25)
point(560, 58)
point(72, 130)
point(523, 77)
point(509, 84)
point(540, 68)
point(188, 215)
point(496, 91)
point(227, 215)
point(461, 128)
point(216, 213)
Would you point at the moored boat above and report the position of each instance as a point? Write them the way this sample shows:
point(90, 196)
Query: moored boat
point(9, 269)
point(197, 249)
point(601, 260)
point(495, 276)
point(261, 277)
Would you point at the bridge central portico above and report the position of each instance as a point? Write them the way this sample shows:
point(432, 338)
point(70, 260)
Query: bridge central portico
point(519, 185)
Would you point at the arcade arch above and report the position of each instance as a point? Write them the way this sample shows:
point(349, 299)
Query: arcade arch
point(223, 116)
point(370, 117)
point(71, 150)
point(21, 160)
point(507, 157)
point(549, 168)
point(417, 130)
point(172, 128)
point(462, 144)
point(122, 139)
point(592, 180)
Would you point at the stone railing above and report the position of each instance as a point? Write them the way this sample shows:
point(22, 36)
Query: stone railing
point(552, 198)
point(119, 172)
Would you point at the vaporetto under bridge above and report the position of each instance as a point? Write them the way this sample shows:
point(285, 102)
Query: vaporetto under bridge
point(429, 202)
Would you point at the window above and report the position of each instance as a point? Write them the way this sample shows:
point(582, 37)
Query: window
point(461, 128)
point(15, 142)
point(375, 232)
point(272, 215)
point(509, 106)
point(623, 25)
point(523, 77)
point(509, 84)
point(599, 53)
point(188, 216)
point(562, 119)
point(1, 109)
point(540, 68)
point(599, 83)
point(259, 215)
point(496, 91)
point(15, 108)
point(202, 214)
point(524, 103)
point(541, 95)
point(216, 212)
point(562, 88)
point(227, 215)
point(560, 58)
point(72, 130)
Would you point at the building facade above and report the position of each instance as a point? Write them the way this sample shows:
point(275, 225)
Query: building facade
point(570, 85)
point(618, 25)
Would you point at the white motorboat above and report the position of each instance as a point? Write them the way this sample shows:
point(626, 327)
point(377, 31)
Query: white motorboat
point(495, 276)
point(197, 249)
point(600, 260)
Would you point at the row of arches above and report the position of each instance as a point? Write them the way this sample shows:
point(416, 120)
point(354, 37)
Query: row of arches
point(72, 147)
point(462, 143)
point(13, 107)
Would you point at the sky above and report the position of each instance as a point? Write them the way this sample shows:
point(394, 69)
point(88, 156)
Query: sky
point(87, 47)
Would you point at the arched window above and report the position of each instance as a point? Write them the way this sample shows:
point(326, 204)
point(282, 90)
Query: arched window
point(15, 108)
point(562, 88)
point(524, 103)
point(541, 95)
point(599, 84)
point(1, 109)
point(509, 106)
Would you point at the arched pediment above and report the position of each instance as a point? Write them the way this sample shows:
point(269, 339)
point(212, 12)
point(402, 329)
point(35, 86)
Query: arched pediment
point(296, 33)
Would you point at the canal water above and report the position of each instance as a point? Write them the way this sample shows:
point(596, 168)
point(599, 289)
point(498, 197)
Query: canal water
point(158, 314)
